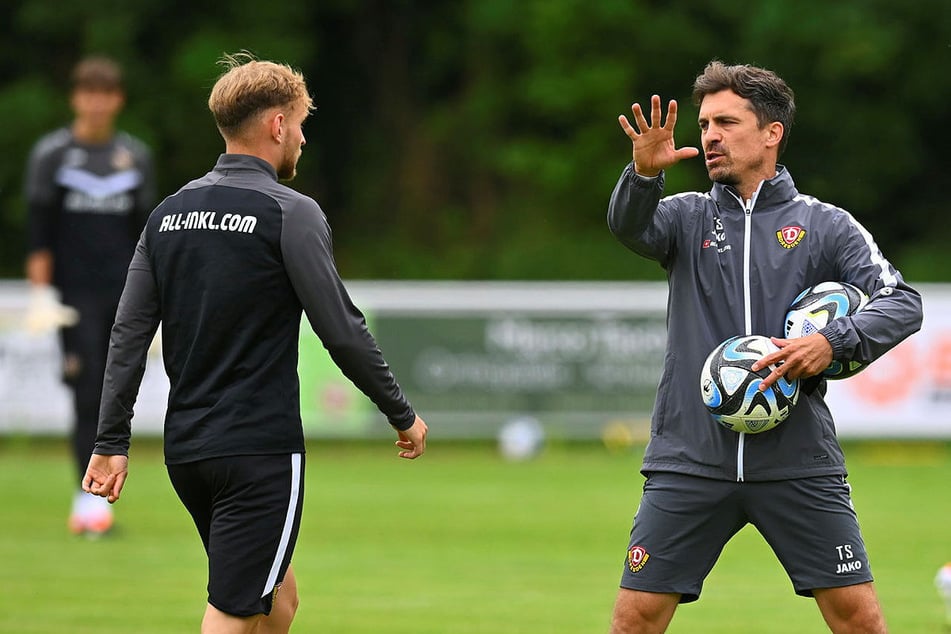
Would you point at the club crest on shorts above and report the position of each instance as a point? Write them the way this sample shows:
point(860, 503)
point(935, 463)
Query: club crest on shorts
point(790, 236)
point(637, 558)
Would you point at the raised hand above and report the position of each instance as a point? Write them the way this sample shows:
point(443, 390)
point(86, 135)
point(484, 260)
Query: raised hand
point(654, 148)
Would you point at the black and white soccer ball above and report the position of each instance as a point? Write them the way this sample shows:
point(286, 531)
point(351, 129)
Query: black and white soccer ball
point(818, 305)
point(730, 389)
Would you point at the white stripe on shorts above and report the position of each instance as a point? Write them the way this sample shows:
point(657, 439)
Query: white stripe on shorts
point(288, 524)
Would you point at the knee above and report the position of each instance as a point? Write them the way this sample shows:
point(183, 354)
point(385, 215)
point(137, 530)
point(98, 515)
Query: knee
point(636, 611)
point(281, 615)
point(287, 602)
point(852, 609)
point(293, 601)
point(865, 621)
point(858, 623)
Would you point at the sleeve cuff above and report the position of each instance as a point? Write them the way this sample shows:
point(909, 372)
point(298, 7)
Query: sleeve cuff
point(404, 422)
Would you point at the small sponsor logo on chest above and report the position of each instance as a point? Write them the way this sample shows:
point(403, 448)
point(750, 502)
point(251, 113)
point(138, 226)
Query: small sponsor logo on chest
point(718, 241)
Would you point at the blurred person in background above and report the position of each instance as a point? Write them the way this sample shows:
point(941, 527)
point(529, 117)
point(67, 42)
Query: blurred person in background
point(89, 189)
point(227, 265)
point(735, 257)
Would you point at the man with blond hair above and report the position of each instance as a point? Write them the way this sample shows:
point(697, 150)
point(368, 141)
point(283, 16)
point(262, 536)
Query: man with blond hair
point(227, 265)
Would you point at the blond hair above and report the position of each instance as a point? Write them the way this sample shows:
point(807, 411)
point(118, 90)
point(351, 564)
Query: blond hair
point(250, 86)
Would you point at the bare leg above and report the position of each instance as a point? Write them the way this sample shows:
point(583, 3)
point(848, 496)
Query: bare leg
point(284, 608)
point(277, 622)
point(851, 609)
point(218, 622)
point(637, 612)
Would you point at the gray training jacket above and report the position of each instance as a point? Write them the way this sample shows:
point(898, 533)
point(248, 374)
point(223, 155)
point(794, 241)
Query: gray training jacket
point(733, 267)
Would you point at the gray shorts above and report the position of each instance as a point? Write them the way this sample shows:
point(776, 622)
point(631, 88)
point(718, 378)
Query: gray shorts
point(683, 522)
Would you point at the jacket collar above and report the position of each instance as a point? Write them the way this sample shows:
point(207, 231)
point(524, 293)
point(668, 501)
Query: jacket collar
point(779, 188)
point(227, 162)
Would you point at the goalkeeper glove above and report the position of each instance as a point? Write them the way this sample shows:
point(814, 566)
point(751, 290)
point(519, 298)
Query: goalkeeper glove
point(46, 313)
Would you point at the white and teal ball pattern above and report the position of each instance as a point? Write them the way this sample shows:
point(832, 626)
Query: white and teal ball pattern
point(818, 305)
point(730, 388)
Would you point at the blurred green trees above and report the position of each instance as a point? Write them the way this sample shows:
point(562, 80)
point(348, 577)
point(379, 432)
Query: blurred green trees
point(477, 139)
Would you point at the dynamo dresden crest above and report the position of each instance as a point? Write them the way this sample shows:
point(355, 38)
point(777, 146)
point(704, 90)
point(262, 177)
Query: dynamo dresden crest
point(637, 557)
point(790, 236)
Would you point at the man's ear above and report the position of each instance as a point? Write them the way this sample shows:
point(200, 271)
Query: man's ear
point(276, 125)
point(774, 133)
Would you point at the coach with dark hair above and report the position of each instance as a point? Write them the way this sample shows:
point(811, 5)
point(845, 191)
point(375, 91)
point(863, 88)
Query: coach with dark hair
point(735, 258)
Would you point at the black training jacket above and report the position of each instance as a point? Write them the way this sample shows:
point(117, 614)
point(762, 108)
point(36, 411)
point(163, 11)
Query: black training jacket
point(87, 205)
point(226, 265)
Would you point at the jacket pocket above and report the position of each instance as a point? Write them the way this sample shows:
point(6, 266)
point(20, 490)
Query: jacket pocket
point(664, 388)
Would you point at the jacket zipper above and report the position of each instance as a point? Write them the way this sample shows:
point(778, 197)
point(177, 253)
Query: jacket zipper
point(747, 310)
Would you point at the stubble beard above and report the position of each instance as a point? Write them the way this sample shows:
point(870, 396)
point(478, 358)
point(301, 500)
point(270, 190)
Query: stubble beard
point(723, 173)
point(723, 176)
point(288, 168)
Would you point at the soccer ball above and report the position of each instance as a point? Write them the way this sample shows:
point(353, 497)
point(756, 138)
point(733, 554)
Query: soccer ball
point(815, 307)
point(942, 582)
point(521, 439)
point(730, 389)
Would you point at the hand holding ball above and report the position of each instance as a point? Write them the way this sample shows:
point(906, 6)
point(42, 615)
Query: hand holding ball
point(730, 388)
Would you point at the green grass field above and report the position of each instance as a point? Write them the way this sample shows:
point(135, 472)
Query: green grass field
point(459, 542)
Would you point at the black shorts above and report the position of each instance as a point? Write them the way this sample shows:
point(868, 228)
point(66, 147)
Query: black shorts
point(683, 522)
point(247, 510)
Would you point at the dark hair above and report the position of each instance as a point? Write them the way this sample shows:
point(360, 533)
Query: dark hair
point(770, 97)
point(97, 73)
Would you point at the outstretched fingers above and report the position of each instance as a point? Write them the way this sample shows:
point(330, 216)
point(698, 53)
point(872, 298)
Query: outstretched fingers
point(655, 111)
point(671, 114)
point(627, 127)
point(670, 124)
point(653, 142)
point(639, 118)
point(657, 121)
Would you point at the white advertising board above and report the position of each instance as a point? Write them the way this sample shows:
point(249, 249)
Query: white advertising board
point(33, 399)
point(905, 394)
